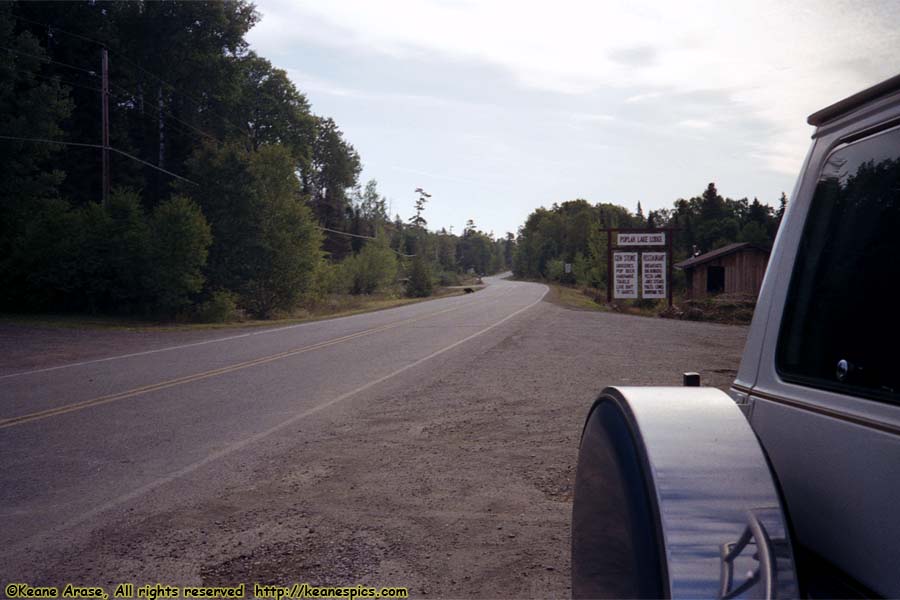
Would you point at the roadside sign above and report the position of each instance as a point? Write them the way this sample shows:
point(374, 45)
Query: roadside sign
point(641, 239)
point(655, 265)
point(625, 274)
point(653, 274)
point(568, 267)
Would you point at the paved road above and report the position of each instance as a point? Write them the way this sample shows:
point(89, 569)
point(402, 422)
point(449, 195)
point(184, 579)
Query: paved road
point(392, 448)
point(80, 439)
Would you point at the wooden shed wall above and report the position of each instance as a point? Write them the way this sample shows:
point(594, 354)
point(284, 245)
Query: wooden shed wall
point(744, 271)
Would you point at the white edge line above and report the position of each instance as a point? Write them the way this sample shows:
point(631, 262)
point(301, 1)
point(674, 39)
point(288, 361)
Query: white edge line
point(193, 344)
point(263, 434)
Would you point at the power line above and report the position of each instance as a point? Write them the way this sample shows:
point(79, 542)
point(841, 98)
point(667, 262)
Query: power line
point(45, 141)
point(198, 103)
point(164, 112)
point(120, 96)
point(169, 124)
point(398, 253)
point(151, 165)
point(100, 147)
point(365, 237)
point(50, 60)
point(132, 157)
point(54, 28)
point(169, 114)
point(55, 78)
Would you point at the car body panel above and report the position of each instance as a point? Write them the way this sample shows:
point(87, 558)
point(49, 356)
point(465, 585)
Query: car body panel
point(837, 456)
point(834, 456)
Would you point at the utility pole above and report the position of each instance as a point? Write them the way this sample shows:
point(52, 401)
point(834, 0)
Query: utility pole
point(104, 109)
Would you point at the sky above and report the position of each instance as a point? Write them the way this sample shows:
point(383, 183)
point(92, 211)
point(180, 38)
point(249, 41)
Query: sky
point(499, 107)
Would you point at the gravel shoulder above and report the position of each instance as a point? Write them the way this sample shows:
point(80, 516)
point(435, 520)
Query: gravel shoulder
point(456, 483)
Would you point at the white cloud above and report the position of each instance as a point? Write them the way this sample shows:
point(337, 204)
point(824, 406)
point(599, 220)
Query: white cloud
point(643, 97)
point(777, 60)
point(311, 83)
point(694, 124)
point(593, 117)
point(441, 176)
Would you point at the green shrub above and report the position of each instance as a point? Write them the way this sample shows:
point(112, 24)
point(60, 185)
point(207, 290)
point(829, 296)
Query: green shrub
point(448, 278)
point(585, 271)
point(114, 255)
point(373, 269)
point(266, 247)
point(39, 269)
point(333, 278)
point(419, 284)
point(219, 308)
point(179, 243)
point(554, 270)
point(112, 258)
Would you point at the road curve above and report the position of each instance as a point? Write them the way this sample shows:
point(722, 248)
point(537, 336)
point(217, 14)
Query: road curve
point(79, 439)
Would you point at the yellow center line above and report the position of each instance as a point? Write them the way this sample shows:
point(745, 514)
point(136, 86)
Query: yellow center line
point(52, 412)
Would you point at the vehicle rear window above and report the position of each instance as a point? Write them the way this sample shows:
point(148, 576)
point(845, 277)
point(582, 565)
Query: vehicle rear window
point(841, 326)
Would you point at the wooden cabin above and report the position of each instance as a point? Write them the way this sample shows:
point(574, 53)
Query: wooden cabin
point(732, 269)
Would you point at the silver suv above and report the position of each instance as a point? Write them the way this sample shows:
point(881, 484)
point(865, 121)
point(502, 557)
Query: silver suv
point(790, 487)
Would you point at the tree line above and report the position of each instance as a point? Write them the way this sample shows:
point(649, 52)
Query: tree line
point(228, 192)
point(571, 232)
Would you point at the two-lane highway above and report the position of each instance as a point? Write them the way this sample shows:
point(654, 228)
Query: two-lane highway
point(79, 439)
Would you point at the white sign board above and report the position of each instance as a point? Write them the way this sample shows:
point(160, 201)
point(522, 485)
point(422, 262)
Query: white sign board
point(653, 271)
point(641, 239)
point(568, 267)
point(625, 274)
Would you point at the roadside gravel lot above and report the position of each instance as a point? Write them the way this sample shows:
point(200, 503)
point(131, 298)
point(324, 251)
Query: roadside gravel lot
point(456, 482)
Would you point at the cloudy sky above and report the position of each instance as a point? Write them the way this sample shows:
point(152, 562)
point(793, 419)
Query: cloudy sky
point(498, 107)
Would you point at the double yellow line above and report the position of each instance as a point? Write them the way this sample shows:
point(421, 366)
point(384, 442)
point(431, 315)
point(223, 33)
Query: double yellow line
point(52, 412)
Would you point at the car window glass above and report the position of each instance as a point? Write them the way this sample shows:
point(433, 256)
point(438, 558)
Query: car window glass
point(842, 317)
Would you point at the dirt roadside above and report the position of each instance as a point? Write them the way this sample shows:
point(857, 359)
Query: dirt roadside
point(458, 487)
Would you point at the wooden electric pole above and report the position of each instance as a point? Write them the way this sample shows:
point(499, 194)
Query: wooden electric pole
point(104, 109)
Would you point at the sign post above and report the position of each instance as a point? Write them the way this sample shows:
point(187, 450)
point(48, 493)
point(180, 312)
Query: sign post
point(655, 263)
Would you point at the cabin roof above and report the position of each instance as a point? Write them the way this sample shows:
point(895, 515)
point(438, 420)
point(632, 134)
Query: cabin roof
point(719, 253)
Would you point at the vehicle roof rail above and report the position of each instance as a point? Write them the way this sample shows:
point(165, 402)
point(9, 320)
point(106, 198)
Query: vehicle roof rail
point(856, 100)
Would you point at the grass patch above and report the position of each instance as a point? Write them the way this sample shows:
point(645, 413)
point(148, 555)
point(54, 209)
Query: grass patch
point(733, 310)
point(728, 309)
point(570, 297)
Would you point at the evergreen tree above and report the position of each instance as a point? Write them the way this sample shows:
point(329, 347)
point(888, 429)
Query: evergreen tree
point(419, 284)
point(33, 104)
point(782, 206)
